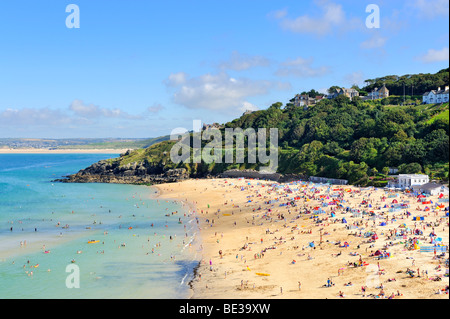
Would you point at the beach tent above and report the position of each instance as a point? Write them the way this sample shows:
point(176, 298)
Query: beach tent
point(382, 224)
point(344, 221)
point(394, 201)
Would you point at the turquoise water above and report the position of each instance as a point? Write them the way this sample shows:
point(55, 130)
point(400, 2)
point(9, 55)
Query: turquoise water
point(141, 253)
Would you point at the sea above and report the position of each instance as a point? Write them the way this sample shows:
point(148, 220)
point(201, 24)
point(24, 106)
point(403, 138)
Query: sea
point(89, 241)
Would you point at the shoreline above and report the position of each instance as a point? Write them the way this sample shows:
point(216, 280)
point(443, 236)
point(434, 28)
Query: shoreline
point(60, 151)
point(190, 208)
point(239, 218)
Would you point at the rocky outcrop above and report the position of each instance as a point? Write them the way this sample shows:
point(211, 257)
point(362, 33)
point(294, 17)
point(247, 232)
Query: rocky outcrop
point(133, 173)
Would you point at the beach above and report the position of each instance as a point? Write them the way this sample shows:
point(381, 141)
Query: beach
point(263, 240)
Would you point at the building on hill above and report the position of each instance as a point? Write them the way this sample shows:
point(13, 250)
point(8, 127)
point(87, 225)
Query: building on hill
point(247, 112)
point(436, 96)
point(350, 93)
point(377, 94)
point(212, 126)
point(319, 98)
point(305, 100)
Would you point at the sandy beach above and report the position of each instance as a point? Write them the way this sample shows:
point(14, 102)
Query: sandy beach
point(59, 151)
point(262, 240)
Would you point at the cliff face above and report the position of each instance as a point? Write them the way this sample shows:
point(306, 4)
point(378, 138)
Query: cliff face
point(133, 173)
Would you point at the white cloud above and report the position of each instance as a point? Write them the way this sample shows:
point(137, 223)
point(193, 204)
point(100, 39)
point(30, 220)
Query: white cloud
point(176, 79)
point(240, 62)
point(155, 108)
point(435, 56)
point(33, 116)
point(218, 91)
point(430, 8)
point(375, 42)
point(83, 110)
point(247, 106)
point(356, 77)
point(278, 14)
point(301, 67)
point(332, 16)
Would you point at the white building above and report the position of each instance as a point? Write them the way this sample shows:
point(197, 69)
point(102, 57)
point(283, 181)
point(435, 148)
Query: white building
point(431, 189)
point(409, 180)
point(436, 96)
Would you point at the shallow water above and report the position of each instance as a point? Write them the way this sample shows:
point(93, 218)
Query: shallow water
point(141, 253)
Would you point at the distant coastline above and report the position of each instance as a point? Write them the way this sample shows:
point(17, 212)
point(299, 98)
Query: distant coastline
point(60, 151)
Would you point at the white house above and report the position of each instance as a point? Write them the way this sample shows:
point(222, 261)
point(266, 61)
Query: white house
point(409, 180)
point(431, 189)
point(436, 96)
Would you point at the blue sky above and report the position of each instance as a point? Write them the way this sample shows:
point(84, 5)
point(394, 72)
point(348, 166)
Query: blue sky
point(143, 68)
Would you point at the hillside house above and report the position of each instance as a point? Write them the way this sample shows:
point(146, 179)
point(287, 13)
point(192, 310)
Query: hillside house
point(377, 94)
point(303, 100)
point(350, 93)
point(436, 96)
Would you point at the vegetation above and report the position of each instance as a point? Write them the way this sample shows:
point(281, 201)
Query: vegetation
point(410, 83)
point(354, 140)
point(342, 138)
point(338, 138)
